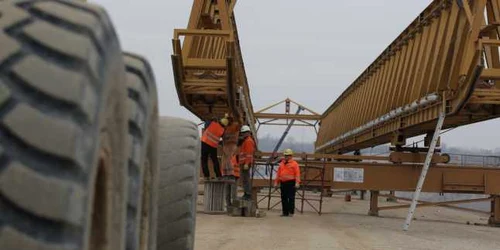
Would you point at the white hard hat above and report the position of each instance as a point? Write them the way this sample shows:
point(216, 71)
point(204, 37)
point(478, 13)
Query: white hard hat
point(244, 129)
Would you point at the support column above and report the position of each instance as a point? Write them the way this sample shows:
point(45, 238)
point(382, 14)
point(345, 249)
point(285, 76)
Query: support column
point(391, 198)
point(362, 192)
point(255, 191)
point(398, 142)
point(495, 211)
point(373, 203)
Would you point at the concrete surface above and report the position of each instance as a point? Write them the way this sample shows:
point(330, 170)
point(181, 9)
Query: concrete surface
point(346, 225)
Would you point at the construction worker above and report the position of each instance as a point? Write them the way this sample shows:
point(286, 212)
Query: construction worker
point(245, 159)
point(288, 180)
point(229, 147)
point(210, 140)
point(230, 187)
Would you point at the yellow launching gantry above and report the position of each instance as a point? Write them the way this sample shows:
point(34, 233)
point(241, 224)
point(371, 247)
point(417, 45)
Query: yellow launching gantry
point(448, 56)
point(208, 68)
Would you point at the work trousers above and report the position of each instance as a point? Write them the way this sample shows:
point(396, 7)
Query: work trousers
point(230, 188)
point(208, 151)
point(246, 182)
point(288, 197)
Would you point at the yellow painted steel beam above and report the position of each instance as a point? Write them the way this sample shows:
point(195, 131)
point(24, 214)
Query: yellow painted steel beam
point(208, 67)
point(447, 52)
point(286, 116)
point(442, 178)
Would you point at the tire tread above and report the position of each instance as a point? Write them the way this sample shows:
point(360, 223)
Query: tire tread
point(179, 156)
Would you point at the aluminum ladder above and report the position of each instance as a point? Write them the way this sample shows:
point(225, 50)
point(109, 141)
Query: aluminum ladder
point(427, 163)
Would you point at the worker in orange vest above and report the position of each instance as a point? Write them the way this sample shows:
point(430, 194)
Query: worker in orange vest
point(231, 181)
point(288, 180)
point(245, 159)
point(210, 140)
point(230, 147)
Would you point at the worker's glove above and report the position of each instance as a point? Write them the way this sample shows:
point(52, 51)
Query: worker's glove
point(245, 167)
point(297, 185)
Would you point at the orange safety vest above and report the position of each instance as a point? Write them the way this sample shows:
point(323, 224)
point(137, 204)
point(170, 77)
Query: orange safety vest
point(246, 151)
point(236, 166)
point(231, 133)
point(288, 171)
point(232, 167)
point(212, 134)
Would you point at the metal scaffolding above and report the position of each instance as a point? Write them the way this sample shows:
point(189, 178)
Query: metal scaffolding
point(312, 178)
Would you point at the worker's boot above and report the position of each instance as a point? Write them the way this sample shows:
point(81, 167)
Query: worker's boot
point(247, 197)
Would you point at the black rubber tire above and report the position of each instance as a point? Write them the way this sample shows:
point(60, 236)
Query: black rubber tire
point(179, 146)
point(63, 126)
point(143, 155)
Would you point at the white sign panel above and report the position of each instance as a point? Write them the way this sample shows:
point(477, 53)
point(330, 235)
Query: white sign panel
point(348, 175)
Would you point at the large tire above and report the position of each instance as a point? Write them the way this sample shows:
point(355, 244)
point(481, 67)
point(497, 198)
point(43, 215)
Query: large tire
point(179, 173)
point(63, 126)
point(143, 156)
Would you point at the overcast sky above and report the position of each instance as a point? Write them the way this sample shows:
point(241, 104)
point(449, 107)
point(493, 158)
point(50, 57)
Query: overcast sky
point(309, 51)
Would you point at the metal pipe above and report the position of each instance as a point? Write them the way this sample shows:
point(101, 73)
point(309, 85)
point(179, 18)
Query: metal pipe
point(424, 101)
point(245, 107)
